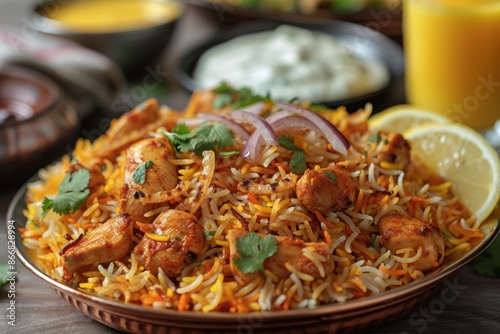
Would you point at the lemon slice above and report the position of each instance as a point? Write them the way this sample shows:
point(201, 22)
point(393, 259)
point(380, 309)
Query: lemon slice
point(464, 157)
point(402, 117)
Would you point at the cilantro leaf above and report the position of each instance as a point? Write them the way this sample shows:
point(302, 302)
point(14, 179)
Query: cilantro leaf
point(69, 201)
point(178, 135)
point(207, 234)
point(253, 250)
point(287, 142)
point(73, 192)
point(375, 138)
point(240, 98)
point(447, 234)
point(224, 87)
point(139, 174)
point(298, 161)
point(224, 95)
point(213, 137)
point(247, 97)
point(217, 133)
point(77, 181)
point(222, 100)
point(47, 205)
point(228, 153)
point(373, 240)
point(181, 129)
point(331, 177)
point(182, 143)
point(317, 107)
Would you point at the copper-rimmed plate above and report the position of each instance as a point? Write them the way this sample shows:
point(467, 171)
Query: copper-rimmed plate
point(352, 316)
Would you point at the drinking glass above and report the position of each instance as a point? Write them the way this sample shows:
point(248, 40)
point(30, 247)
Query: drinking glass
point(452, 50)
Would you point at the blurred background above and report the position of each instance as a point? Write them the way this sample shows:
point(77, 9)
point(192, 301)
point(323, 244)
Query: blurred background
point(105, 57)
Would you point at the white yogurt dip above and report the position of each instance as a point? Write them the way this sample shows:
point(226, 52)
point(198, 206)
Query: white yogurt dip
point(291, 62)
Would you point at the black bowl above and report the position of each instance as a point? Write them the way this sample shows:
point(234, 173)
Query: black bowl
point(131, 48)
point(361, 41)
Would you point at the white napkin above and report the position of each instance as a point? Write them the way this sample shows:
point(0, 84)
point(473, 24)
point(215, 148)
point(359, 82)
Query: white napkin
point(89, 78)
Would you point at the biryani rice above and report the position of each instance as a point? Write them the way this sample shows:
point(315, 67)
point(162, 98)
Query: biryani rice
point(361, 265)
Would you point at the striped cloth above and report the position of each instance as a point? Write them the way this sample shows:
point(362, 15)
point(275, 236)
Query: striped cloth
point(90, 79)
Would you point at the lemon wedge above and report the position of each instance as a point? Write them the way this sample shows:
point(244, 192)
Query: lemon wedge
point(465, 158)
point(402, 117)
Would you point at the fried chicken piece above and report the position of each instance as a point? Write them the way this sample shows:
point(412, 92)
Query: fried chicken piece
point(161, 176)
point(400, 232)
point(171, 242)
point(109, 242)
point(326, 190)
point(396, 150)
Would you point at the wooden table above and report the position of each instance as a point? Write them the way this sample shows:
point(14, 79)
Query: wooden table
point(472, 307)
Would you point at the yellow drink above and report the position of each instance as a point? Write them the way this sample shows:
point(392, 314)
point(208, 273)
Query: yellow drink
point(114, 15)
point(453, 58)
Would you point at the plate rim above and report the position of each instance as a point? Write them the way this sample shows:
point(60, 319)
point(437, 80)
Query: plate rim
point(328, 312)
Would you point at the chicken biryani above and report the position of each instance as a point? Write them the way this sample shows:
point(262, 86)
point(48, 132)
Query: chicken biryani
point(240, 204)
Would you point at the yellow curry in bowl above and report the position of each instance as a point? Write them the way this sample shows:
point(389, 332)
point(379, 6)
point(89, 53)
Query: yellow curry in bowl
point(96, 16)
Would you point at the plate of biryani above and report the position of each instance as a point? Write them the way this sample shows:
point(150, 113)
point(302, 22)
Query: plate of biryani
point(244, 214)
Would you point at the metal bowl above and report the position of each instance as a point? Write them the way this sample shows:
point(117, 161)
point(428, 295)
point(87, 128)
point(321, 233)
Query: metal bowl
point(132, 49)
point(361, 41)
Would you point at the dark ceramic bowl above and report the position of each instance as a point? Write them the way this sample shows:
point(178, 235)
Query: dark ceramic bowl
point(36, 123)
point(132, 49)
point(361, 41)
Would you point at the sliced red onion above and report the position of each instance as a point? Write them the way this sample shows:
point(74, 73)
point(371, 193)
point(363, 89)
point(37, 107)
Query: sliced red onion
point(278, 124)
point(255, 108)
point(333, 135)
point(251, 149)
point(278, 115)
point(261, 125)
point(282, 122)
point(237, 129)
point(294, 122)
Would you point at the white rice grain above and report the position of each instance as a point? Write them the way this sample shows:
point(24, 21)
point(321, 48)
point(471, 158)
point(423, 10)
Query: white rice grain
point(373, 179)
point(191, 286)
point(349, 241)
point(402, 192)
point(337, 242)
point(349, 221)
point(316, 259)
point(165, 282)
point(297, 281)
